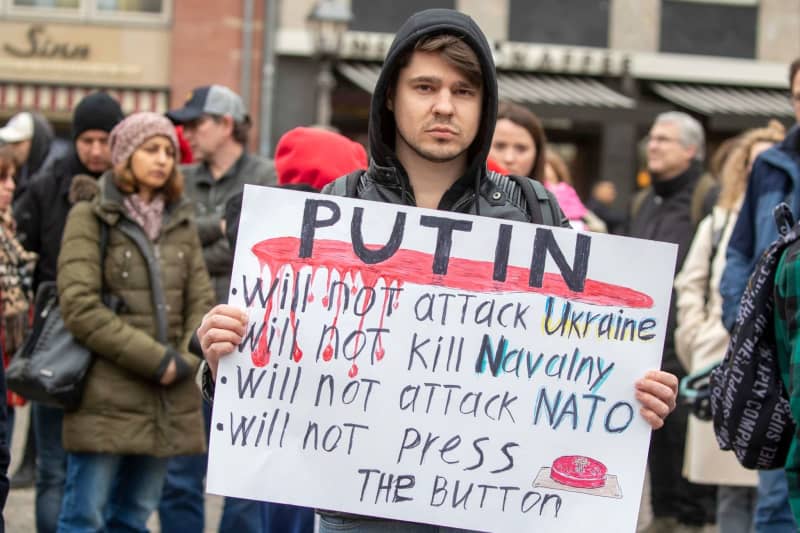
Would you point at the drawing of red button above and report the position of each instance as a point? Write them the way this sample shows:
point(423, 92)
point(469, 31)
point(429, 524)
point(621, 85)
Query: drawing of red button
point(578, 471)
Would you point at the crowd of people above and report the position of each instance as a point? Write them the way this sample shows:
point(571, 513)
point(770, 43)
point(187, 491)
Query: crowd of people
point(134, 218)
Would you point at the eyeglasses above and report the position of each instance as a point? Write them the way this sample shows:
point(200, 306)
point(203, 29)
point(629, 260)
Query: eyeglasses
point(661, 139)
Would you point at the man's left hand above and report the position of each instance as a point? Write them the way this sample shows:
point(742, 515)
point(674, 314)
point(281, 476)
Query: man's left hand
point(657, 392)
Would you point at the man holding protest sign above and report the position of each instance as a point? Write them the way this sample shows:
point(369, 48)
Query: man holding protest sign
point(431, 124)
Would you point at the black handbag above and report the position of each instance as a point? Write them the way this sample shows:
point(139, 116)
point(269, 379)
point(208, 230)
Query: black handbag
point(51, 366)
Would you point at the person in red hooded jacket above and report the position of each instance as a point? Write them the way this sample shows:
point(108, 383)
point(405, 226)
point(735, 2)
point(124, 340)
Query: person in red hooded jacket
point(316, 157)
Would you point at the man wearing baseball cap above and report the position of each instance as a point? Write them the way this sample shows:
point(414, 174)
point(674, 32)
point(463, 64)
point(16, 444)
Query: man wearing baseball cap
point(216, 125)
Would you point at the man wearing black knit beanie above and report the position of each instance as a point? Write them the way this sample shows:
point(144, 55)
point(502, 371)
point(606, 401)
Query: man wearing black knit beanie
point(41, 215)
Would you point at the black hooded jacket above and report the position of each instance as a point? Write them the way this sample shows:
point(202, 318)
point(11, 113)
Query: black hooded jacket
point(386, 180)
point(41, 214)
point(40, 148)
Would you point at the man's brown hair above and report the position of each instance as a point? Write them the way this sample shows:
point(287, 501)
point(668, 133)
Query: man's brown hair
point(452, 48)
point(241, 130)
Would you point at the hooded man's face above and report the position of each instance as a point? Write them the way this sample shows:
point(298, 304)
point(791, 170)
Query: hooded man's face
point(437, 111)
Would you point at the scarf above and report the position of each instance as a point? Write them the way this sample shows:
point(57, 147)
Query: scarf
point(148, 215)
point(16, 276)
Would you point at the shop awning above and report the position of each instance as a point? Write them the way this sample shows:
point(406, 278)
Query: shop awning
point(716, 100)
point(63, 99)
point(524, 88)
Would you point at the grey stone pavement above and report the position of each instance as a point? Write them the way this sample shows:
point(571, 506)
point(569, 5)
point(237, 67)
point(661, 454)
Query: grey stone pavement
point(18, 512)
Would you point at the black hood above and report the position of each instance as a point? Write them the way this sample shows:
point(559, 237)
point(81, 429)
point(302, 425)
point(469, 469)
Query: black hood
point(381, 120)
point(40, 143)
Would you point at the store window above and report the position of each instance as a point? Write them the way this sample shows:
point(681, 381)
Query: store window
point(387, 15)
point(134, 11)
point(567, 22)
point(135, 6)
point(58, 4)
point(693, 27)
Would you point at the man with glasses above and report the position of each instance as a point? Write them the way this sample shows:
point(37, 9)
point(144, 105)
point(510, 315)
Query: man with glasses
point(675, 151)
point(775, 178)
point(216, 125)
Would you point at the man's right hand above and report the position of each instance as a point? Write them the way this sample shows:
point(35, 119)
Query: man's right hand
point(220, 333)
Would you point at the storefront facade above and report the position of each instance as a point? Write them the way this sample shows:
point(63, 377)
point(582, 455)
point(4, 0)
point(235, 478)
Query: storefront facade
point(52, 53)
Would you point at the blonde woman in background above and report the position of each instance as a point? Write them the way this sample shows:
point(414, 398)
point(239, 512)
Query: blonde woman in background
point(701, 338)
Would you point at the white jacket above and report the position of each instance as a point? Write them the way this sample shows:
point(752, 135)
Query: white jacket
point(701, 340)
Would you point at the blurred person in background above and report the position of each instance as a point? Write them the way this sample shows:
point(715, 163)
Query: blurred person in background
point(662, 212)
point(519, 142)
point(775, 178)
point(701, 339)
point(140, 403)
point(16, 273)
point(41, 215)
point(34, 148)
point(601, 203)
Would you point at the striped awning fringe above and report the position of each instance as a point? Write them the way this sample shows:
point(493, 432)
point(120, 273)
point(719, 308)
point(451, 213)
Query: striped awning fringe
point(63, 98)
point(716, 100)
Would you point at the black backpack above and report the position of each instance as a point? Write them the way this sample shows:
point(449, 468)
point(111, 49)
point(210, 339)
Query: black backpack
point(534, 198)
point(749, 403)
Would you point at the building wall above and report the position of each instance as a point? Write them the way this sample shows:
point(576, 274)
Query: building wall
point(206, 46)
point(207, 49)
point(633, 25)
point(491, 16)
point(778, 37)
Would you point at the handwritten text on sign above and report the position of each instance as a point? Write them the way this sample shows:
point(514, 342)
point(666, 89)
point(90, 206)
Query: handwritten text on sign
point(437, 367)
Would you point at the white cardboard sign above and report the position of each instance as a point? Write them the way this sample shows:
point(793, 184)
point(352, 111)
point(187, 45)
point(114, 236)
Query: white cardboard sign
point(437, 367)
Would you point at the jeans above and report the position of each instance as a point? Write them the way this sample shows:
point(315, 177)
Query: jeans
point(334, 524)
point(283, 518)
point(109, 492)
point(51, 465)
point(773, 514)
point(736, 509)
point(181, 508)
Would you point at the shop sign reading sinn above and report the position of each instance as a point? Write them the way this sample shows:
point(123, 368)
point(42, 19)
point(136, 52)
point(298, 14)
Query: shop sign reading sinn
point(39, 45)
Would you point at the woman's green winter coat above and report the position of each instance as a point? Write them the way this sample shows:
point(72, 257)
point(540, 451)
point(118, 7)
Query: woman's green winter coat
point(163, 291)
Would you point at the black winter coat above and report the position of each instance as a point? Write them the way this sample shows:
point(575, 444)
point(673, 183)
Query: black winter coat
point(665, 215)
point(42, 214)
